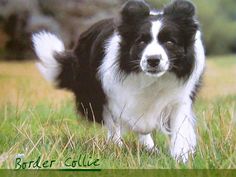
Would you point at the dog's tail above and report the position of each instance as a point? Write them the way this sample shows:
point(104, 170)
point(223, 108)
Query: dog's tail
point(57, 65)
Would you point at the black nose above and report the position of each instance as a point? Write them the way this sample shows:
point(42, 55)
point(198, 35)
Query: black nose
point(154, 60)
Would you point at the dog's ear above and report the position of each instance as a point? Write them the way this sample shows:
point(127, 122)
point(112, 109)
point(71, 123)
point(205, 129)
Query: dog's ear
point(182, 13)
point(134, 11)
point(180, 9)
point(131, 15)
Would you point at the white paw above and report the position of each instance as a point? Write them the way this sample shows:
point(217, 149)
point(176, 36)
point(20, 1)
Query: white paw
point(115, 140)
point(154, 149)
point(119, 142)
point(182, 148)
point(147, 142)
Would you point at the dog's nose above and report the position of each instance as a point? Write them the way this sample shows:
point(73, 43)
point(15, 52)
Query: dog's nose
point(154, 60)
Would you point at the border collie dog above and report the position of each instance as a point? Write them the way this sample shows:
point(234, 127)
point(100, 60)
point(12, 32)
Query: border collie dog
point(139, 71)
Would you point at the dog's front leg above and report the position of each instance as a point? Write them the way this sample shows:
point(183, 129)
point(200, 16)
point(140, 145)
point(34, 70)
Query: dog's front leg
point(147, 142)
point(183, 137)
point(114, 135)
point(113, 126)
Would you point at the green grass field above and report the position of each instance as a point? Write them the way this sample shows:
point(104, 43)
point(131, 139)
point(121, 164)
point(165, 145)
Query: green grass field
point(37, 120)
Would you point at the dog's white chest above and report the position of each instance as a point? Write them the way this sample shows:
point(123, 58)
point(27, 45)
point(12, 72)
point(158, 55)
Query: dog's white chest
point(140, 103)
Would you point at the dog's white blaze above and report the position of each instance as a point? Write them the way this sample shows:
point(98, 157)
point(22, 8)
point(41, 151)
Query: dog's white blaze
point(154, 48)
point(46, 45)
point(155, 12)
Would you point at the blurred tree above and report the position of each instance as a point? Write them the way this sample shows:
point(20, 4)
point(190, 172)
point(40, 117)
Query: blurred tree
point(68, 18)
point(218, 25)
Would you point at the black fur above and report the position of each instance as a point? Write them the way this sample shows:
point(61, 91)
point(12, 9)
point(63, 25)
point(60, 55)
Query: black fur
point(79, 68)
point(180, 21)
point(132, 26)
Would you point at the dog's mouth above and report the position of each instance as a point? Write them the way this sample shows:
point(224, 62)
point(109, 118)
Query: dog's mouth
point(155, 72)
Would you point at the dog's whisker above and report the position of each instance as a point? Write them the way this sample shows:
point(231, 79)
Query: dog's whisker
point(174, 66)
point(173, 59)
point(135, 61)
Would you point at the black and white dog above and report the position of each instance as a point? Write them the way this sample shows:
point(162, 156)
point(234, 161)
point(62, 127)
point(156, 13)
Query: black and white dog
point(139, 71)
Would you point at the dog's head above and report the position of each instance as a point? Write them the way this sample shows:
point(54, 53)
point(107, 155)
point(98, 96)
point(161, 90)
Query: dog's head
point(157, 42)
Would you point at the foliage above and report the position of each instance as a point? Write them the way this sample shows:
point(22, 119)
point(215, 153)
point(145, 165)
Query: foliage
point(69, 18)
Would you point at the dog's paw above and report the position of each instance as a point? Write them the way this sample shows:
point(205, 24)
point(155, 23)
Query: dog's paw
point(116, 141)
point(183, 148)
point(153, 150)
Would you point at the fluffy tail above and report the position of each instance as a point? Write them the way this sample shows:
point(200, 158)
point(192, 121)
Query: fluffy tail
point(57, 65)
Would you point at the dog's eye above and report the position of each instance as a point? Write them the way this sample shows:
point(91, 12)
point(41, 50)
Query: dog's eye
point(169, 44)
point(143, 39)
point(142, 42)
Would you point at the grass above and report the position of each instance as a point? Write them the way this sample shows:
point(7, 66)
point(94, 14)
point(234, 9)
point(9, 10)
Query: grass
point(37, 120)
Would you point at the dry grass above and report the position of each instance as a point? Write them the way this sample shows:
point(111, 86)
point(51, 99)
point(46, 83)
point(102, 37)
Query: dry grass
point(21, 83)
point(220, 77)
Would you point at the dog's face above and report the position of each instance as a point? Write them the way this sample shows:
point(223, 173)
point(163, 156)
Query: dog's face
point(158, 42)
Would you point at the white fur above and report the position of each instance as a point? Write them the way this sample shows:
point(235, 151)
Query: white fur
point(155, 12)
point(46, 45)
point(142, 103)
point(154, 48)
